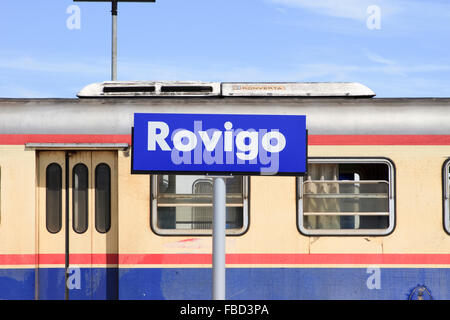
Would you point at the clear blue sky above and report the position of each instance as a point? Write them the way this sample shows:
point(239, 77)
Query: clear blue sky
point(404, 52)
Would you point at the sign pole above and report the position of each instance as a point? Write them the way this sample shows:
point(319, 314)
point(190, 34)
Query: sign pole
point(219, 227)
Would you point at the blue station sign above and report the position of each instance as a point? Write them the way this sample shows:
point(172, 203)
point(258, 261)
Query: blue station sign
point(219, 144)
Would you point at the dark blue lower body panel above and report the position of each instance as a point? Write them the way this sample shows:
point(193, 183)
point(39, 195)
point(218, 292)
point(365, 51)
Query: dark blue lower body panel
point(17, 284)
point(83, 283)
point(287, 283)
point(241, 283)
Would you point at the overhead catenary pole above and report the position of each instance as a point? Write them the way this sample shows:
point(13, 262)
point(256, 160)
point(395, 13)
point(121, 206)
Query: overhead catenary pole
point(219, 227)
point(114, 40)
point(114, 31)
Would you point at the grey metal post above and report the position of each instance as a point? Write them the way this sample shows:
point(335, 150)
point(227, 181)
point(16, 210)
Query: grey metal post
point(219, 226)
point(114, 41)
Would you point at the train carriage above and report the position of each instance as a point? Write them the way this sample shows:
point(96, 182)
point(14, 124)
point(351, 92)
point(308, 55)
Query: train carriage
point(369, 220)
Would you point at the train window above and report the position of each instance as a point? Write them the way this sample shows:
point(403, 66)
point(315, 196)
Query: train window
point(446, 177)
point(102, 198)
point(182, 204)
point(80, 206)
point(53, 197)
point(346, 197)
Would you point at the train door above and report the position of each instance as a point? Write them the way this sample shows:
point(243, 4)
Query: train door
point(77, 232)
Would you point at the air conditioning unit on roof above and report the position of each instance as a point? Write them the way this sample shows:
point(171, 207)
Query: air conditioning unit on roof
point(150, 89)
point(296, 89)
point(124, 89)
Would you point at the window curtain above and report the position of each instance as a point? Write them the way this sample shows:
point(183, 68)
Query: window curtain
point(321, 172)
point(202, 216)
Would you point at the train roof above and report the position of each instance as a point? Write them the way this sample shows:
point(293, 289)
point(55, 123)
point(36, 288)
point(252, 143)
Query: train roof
point(334, 115)
point(324, 116)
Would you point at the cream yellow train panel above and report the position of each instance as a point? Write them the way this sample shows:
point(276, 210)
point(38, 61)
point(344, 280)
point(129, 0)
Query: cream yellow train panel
point(80, 240)
point(135, 235)
point(271, 229)
point(105, 243)
point(419, 206)
point(273, 210)
point(273, 225)
point(17, 200)
point(50, 242)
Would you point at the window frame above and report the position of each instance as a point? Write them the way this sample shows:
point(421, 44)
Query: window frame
point(349, 232)
point(87, 204)
point(96, 213)
point(198, 232)
point(446, 196)
point(60, 213)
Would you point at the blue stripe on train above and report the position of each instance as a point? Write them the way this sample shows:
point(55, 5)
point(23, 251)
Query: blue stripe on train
point(242, 283)
point(84, 283)
point(95, 283)
point(287, 283)
point(17, 284)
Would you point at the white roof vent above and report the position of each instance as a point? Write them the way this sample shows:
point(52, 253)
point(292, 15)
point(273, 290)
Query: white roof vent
point(296, 89)
point(149, 89)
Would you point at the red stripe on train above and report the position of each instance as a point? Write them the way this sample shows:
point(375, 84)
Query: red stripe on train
point(75, 258)
point(282, 259)
point(21, 139)
point(206, 259)
point(385, 140)
point(17, 259)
